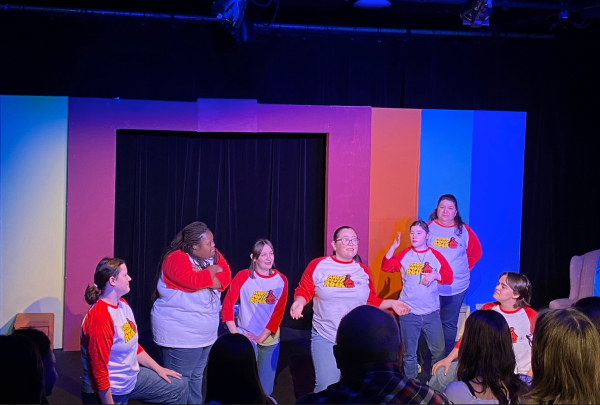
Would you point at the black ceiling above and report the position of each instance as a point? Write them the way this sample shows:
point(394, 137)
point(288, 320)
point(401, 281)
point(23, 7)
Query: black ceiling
point(527, 16)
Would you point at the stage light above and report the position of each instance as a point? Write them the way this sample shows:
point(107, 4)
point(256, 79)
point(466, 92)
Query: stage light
point(371, 4)
point(230, 10)
point(479, 14)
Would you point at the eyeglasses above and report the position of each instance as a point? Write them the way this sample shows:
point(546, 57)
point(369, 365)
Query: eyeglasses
point(346, 241)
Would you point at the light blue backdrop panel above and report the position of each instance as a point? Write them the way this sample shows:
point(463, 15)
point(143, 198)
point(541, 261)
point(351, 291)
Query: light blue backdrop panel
point(496, 198)
point(445, 159)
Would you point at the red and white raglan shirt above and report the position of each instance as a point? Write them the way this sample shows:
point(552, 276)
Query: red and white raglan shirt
point(109, 348)
point(413, 265)
point(461, 251)
point(262, 303)
point(187, 313)
point(337, 288)
point(521, 322)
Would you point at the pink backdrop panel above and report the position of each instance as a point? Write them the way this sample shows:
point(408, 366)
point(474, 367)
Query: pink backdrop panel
point(348, 159)
point(91, 159)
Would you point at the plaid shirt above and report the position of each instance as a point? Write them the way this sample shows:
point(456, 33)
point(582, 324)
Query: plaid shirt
point(376, 383)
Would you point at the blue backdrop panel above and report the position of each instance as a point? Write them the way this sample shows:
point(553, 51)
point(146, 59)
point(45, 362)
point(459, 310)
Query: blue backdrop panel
point(445, 159)
point(496, 197)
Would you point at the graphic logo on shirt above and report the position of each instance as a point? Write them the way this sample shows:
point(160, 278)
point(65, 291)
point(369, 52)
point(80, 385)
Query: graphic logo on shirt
point(339, 281)
point(129, 330)
point(513, 335)
point(416, 269)
point(263, 297)
point(449, 243)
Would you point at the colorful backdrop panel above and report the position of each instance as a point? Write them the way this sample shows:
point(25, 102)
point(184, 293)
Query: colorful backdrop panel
point(33, 174)
point(496, 197)
point(445, 162)
point(395, 135)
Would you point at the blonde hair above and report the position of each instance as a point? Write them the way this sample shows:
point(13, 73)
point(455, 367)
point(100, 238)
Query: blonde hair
point(565, 358)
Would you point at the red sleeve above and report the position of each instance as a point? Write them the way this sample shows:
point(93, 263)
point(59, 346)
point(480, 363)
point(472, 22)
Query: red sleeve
point(445, 269)
point(233, 294)
point(532, 315)
point(306, 287)
point(487, 306)
point(99, 335)
point(373, 299)
point(473, 249)
point(225, 276)
point(393, 265)
point(277, 314)
point(179, 274)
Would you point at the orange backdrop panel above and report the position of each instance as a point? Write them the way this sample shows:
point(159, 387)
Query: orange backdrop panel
point(395, 137)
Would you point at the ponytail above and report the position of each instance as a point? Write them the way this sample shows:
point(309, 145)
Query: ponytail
point(92, 293)
point(107, 268)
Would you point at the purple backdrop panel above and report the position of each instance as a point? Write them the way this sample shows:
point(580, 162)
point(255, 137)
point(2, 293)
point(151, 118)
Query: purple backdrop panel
point(219, 115)
point(91, 159)
point(348, 159)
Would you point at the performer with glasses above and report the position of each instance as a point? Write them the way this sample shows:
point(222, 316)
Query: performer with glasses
point(337, 284)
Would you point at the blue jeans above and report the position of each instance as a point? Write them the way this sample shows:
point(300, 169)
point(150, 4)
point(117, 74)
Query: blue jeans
point(149, 387)
point(439, 381)
point(411, 326)
point(326, 371)
point(191, 364)
point(266, 358)
point(449, 312)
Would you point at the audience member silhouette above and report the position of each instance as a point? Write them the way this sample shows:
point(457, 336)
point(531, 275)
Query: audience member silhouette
point(366, 352)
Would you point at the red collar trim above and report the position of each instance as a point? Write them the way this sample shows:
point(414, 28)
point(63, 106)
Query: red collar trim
point(269, 276)
point(110, 305)
point(508, 312)
point(420, 251)
point(340, 261)
point(444, 226)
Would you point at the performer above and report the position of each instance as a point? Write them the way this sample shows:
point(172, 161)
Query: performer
point(338, 284)
point(110, 353)
point(262, 292)
point(185, 315)
point(512, 295)
point(422, 268)
point(485, 363)
point(458, 243)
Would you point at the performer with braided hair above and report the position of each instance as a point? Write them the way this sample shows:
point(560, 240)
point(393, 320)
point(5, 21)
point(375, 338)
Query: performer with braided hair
point(192, 273)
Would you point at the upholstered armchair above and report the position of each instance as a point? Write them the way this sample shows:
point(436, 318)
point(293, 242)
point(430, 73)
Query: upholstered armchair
point(582, 279)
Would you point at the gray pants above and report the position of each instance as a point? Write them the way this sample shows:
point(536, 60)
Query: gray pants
point(439, 381)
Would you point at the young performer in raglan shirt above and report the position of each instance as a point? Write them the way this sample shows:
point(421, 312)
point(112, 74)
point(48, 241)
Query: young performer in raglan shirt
point(187, 300)
point(262, 292)
point(512, 294)
point(422, 269)
point(110, 353)
point(457, 242)
point(337, 284)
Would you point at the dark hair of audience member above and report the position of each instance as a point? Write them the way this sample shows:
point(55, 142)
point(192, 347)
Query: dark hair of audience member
point(564, 359)
point(232, 373)
point(520, 284)
point(366, 335)
point(107, 268)
point(23, 372)
point(43, 345)
point(486, 356)
point(590, 306)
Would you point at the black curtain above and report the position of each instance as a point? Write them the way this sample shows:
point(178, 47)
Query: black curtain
point(243, 186)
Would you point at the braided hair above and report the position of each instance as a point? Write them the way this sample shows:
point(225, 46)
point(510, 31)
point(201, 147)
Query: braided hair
point(185, 240)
